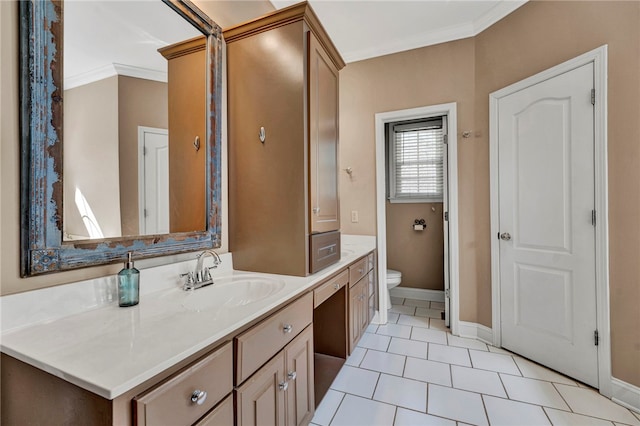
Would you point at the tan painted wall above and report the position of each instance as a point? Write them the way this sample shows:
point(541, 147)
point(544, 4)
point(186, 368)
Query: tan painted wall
point(538, 36)
point(419, 255)
point(428, 76)
point(91, 157)
point(142, 103)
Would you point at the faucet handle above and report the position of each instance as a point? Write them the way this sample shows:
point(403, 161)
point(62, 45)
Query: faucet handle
point(190, 279)
point(206, 273)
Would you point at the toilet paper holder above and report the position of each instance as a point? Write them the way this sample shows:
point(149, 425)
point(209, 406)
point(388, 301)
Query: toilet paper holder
point(419, 225)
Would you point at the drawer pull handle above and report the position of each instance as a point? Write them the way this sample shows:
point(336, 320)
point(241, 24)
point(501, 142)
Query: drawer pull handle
point(336, 286)
point(292, 375)
point(287, 328)
point(198, 396)
point(283, 386)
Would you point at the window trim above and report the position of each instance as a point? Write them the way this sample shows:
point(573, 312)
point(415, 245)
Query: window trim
point(391, 165)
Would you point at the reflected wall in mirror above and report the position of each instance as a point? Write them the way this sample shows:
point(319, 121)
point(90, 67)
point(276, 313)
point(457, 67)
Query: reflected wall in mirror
point(116, 101)
point(134, 107)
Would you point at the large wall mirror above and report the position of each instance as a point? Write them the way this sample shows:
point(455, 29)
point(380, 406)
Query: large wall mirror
point(121, 150)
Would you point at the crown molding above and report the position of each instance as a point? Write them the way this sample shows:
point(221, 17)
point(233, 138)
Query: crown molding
point(111, 70)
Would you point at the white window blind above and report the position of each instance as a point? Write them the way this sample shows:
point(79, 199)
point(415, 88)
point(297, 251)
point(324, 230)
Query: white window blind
point(416, 151)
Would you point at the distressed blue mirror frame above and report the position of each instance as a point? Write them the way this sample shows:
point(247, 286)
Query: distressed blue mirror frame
point(42, 247)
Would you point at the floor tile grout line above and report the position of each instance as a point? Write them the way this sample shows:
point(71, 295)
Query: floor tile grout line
point(503, 386)
point(486, 412)
point(337, 408)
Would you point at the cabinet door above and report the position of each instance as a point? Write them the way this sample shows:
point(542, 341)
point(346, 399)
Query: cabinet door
point(187, 120)
point(355, 314)
point(222, 415)
point(363, 319)
point(299, 375)
point(323, 139)
point(261, 399)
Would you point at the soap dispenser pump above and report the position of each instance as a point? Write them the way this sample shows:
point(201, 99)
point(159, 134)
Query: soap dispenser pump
point(128, 284)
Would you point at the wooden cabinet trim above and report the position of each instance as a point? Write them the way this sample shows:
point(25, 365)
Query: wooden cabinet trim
point(297, 12)
point(186, 47)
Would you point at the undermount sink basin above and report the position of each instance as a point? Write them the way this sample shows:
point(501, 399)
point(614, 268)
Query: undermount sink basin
point(231, 292)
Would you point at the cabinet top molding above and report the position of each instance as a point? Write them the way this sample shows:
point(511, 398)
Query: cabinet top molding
point(295, 13)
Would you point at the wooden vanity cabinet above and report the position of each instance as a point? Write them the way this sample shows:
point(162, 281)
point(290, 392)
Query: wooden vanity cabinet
point(282, 74)
point(362, 297)
point(358, 312)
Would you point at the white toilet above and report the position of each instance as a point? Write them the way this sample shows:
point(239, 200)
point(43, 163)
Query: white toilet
point(394, 278)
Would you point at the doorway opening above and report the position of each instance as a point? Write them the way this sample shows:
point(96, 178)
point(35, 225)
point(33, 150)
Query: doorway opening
point(153, 180)
point(434, 204)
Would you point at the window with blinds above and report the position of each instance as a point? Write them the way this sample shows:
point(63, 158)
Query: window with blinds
point(416, 155)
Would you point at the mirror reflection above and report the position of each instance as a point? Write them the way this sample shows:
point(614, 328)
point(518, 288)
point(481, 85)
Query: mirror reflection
point(134, 121)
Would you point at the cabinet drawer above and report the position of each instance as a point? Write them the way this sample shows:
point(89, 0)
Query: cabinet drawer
point(327, 289)
point(255, 346)
point(170, 402)
point(324, 250)
point(222, 415)
point(357, 271)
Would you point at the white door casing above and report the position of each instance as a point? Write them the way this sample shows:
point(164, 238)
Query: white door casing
point(450, 110)
point(550, 281)
point(153, 180)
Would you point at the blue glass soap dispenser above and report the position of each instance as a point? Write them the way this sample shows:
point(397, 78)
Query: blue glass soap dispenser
point(128, 284)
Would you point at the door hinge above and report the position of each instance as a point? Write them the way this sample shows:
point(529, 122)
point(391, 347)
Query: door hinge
point(144, 150)
point(593, 96)
point(447, 293)
point(446, 216)
point(445, 139)
point(146, 213)
point(596, 337)
point(593, 217)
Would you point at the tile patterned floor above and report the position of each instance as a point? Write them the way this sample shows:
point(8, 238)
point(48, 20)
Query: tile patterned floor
point(412, 371)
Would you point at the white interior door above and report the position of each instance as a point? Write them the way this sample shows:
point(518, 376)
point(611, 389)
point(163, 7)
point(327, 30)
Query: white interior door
point(445, 221)
point(154, 185)
point(546, 205)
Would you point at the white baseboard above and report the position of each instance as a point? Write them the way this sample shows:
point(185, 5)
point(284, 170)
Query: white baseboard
point(418, 294)
point(475, 331)
point(625, 394)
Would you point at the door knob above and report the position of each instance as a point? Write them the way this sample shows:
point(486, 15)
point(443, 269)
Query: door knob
point(505, 236)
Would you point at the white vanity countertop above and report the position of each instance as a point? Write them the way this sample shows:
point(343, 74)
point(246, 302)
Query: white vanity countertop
point(109, 350)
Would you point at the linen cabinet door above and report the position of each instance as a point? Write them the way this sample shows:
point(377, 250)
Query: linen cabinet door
point(355, 314)
point(261, 399)
point(364, 304)
point(299, 375)
point(323, 139)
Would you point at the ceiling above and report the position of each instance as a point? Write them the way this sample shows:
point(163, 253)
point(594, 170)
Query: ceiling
point(363, 29)
point(108, 37)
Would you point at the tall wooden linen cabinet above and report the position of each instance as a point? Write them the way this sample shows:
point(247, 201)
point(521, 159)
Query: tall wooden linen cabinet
point(282, 74)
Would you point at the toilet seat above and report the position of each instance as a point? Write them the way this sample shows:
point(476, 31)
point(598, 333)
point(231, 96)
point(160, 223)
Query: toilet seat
point(393, 278)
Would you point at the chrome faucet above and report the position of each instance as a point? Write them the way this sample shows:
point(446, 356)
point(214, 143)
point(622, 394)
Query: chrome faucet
point(201, 277)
